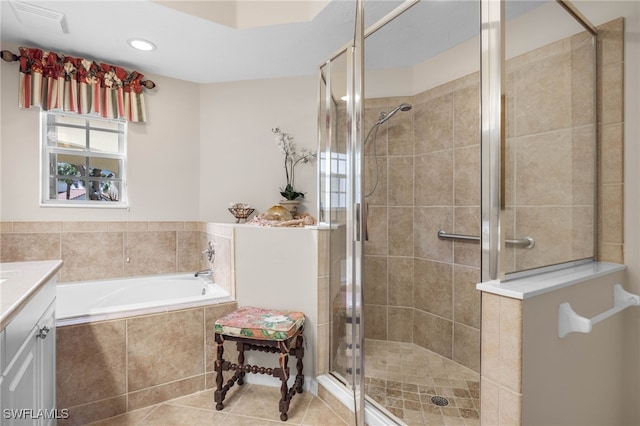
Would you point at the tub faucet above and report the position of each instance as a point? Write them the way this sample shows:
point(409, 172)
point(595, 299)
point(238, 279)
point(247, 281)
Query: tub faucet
point(205, 272)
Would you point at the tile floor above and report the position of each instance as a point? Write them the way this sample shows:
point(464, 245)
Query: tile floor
point(403, 377)
point(246, 405)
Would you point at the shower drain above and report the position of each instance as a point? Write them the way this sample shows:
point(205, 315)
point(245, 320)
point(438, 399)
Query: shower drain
point(440, 401)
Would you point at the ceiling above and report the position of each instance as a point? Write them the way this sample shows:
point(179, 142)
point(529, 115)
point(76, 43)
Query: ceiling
point(201, 49)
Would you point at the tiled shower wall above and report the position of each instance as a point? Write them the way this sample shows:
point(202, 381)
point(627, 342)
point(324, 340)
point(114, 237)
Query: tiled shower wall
point(421, 289)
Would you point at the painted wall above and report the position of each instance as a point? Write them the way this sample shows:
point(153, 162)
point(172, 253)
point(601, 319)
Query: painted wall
point(239, 160)
point(163, 179)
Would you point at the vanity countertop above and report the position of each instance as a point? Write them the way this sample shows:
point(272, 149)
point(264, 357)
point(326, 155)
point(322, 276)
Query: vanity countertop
point(19, 282)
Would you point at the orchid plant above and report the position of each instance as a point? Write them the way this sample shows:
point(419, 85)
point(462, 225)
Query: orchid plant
point(293, 155)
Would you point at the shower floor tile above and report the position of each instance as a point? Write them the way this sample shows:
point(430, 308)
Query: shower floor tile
point(403, 378)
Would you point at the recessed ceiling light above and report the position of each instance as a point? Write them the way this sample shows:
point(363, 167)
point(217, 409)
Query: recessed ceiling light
point(141, 44)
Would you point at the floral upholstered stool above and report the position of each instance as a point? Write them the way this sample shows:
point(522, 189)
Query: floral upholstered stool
point(264, 330)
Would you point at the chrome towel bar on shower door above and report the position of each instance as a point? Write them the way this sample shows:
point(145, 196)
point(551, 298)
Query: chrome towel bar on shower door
point(526, 242)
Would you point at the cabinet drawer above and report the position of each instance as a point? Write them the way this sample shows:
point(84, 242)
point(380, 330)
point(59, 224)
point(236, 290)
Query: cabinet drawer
point(21, 326)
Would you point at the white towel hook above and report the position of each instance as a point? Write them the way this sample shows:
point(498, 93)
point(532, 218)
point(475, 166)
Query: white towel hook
point(569, 321)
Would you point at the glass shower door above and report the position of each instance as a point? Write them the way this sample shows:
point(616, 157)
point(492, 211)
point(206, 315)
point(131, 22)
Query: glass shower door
point(340, 201)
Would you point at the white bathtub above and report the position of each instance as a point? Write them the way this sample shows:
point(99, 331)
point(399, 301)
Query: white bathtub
point(89, 301)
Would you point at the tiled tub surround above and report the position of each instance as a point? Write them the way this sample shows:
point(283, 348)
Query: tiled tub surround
point(100, 250)
point(107, 368)
point(150, 248)
point(429, 177)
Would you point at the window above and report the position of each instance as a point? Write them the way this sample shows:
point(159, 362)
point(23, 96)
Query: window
point(83, 161)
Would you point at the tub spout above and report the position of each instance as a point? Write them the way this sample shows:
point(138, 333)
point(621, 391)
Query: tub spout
point(205, 272)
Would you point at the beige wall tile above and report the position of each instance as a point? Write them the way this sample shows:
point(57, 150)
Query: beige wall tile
point(548, 227)
point(466, 115)
point(400, 181)
point(433, 333)
point(612, 38)
point(323, 300)
point(466, 299)
point(79, 350)
point(149, 338)
point(612, 93)
point(375, 179)
point(490, 402)
point(212, 313)
point(612, 213)
point(434, 179)
point(433, 288)
point(467, 176)
point(399, 324)
point(583, 80)
point(375, 322)
point(466, 222)
point(490, 338)
point(377, 244)
point(510, 407)
point(156, 394)
point(400, 133)
point(6, 227)
point(583, 232)
point(584, 165)
point(91, 255)
point(150, 253)
point(20, 247)
point(322, 349)
point(611, 154)
point(612, 253)
point(543, 89)
point(466, 346)
point(543, 179)
point(375, 278)
point(94, 411)
point(400, 231)
point(433, 124)
point(188, 251)
point(166, 226)
point(37, 227)
point(511, 344)
point(401, 281)
point(427, 222)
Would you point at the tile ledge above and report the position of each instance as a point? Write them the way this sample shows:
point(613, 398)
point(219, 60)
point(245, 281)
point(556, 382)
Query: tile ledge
point(535, 285)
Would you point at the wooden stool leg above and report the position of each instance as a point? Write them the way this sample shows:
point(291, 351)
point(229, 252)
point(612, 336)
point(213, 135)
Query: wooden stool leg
point(284, 390)
point(241, 373)
point(219, 394)
point(299, 352)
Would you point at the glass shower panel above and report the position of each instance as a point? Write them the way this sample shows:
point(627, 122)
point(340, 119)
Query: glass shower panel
point(333, 205)
point(550, 131)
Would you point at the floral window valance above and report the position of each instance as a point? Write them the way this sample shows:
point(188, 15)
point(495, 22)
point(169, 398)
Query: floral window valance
point(54, 81)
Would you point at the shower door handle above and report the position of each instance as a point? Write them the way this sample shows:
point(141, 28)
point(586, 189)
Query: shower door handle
point(357, 220)
point(361, 215)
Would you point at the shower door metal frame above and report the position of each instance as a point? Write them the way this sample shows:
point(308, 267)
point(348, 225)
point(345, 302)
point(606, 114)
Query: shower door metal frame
point(355, 217)
point(493, 138)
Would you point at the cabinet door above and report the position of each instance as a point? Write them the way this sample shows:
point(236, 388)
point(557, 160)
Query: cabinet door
point(20, 395)
point(46, 352)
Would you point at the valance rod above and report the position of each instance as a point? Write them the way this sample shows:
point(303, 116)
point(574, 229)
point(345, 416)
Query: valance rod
point(12, 57)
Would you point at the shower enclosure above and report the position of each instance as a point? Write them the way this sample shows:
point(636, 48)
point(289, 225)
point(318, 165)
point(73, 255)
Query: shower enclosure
point(457, 145)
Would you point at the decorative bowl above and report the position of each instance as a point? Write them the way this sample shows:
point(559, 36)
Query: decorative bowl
point(241, 213)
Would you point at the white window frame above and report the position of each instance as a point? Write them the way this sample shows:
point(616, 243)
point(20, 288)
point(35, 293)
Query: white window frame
point(47, 149)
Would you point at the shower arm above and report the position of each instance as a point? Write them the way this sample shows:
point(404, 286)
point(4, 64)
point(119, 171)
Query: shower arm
point(526, 242)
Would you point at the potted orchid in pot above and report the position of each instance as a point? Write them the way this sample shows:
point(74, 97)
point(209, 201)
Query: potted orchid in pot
point(293, 155)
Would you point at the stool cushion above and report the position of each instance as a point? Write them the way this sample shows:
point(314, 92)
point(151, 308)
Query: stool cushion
point(260, 324)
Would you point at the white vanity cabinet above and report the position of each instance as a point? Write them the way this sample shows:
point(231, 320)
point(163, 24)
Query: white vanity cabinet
point(28, 361)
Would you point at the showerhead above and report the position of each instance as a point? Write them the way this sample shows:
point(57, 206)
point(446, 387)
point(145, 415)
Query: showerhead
point(384, 116)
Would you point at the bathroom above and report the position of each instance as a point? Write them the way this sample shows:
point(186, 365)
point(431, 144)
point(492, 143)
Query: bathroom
point(217, 159)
